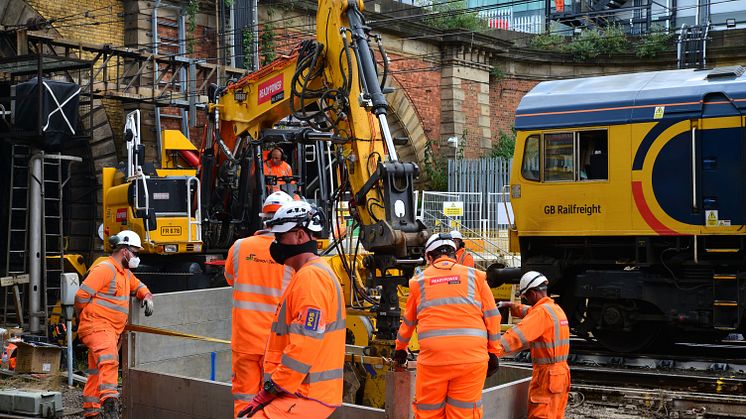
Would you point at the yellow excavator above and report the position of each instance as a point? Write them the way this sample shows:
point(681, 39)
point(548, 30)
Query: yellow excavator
point(324, 106)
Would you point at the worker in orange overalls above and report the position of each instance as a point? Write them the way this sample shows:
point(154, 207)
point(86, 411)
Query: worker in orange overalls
point(304, 360)
point(458, 327)
point(102, 304)
point(276, 166)
point(463, 257)
point(258, 283)
point(545, 330)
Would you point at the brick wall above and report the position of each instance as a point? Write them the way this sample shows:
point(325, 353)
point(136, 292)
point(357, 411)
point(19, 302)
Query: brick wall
point(421, 81)
point(470, 144)
point(505, 96)
point(94, 21)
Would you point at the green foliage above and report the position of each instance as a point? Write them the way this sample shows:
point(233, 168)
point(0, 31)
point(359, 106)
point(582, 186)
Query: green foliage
point(547, 41)
point(594, 42)
point(610, 41)
point(449, 16)
point(653, 44)
point(247, 38)
point(191, 11)
point(497, 73)
point(267, 46)
point(505, 145)
point(435, 169)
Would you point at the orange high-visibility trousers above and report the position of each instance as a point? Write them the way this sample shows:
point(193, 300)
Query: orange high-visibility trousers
point(452, 391)
point(547, 394)
point(103, 370)
point(246, 380)
point(289, 406)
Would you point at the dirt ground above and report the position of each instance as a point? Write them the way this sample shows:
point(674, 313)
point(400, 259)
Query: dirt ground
point(72, 398)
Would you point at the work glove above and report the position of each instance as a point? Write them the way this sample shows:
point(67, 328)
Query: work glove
point(400, 356)
point(504, 304)
point(261, 399)
point(148, 304)
point(492, 365)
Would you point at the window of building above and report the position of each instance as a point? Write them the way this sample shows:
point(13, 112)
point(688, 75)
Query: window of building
point(559, 157)
point(531, 165)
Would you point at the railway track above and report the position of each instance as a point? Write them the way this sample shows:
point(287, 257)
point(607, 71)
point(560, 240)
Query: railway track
point(691, 380)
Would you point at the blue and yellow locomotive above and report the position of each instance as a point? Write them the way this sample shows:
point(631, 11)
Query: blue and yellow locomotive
point(629, 193)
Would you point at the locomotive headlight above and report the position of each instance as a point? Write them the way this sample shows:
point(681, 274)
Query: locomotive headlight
point(171, 248)
point(515, 191)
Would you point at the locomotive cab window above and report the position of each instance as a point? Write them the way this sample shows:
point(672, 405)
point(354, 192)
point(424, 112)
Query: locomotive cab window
point(578, 156)
point(531, 167)
point(593, 156)
point(559, 157)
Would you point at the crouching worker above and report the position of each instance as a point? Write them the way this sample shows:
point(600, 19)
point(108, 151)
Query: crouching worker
point(102, 304)
point(304, 360)
point(458, 327)
point(545, 330)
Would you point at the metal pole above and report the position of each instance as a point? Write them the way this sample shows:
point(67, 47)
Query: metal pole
point(70, 352)
point(255, 35)
point(154, 31)
point(34, 232)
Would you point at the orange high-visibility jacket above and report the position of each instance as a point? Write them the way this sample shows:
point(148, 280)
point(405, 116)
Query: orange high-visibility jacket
point(103, 299)
point(306, 350)
point(544, 329)
point(463, 257)
point(454, 312)
point(258, 283)
point(283, 169)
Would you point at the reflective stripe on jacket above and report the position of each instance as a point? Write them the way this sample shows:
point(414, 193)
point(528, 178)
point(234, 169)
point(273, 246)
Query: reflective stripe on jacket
point(258, 283)
point(454, 312)
point(306, 349)
point(103, 299)
point(544, 329)
point(463, 257)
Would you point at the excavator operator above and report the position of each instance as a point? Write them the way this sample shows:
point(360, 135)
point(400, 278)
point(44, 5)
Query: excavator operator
point(277, 167)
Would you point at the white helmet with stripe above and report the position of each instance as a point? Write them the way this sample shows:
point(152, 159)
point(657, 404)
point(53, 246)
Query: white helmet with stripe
point(273, 202)
point(437, 240)
point(296, 214)
point(530, 280)
point(455, 234)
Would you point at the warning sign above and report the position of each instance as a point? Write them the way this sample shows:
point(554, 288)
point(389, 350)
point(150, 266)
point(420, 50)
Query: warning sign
point(659, 111)
point(453, 208)
point(711, 217)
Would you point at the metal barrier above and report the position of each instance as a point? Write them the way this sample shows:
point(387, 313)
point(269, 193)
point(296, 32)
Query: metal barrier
point(485, 227)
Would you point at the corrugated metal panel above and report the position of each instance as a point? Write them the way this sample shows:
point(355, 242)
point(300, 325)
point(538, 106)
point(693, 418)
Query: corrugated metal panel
point(487, 175)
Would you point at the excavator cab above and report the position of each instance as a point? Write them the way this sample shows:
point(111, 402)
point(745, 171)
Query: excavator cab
point(160, 204)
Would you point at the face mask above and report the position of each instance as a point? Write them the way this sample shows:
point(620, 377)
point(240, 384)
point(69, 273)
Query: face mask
point(281, 252)
point(133, 262)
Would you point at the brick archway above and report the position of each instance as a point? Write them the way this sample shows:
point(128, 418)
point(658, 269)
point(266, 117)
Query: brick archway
point(405, 122)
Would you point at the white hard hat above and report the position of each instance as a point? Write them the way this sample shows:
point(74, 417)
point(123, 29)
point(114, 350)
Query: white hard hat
point(531, 279)
point(437, 240)
point(273, 202)
point(126, 238)
point(296, 214)
point(455, 234)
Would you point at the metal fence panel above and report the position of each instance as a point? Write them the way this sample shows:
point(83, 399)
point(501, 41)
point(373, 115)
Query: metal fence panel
point(487, 175)
point(434, 208)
